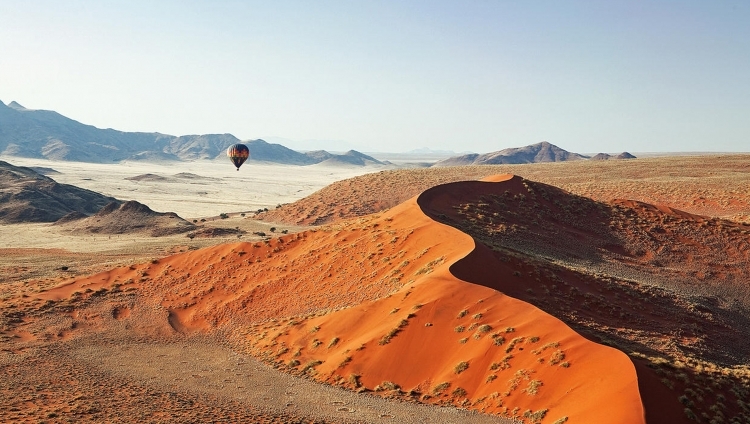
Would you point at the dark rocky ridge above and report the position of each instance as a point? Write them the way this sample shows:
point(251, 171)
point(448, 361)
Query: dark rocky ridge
point(128, 217)
point(27, 196)
point(605, 156)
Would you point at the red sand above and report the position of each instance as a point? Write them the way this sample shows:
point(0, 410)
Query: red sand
point(333, 294)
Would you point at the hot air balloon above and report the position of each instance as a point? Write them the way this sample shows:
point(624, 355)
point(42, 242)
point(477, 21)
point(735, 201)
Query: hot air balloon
point(238, 154)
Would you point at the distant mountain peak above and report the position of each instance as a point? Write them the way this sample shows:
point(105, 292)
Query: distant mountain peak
point(606, 156)
point(533, 153)
point(15, 105)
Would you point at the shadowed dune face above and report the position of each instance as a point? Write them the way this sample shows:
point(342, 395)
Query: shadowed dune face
point(458, 297)
point(652, 244)
point(668, 287)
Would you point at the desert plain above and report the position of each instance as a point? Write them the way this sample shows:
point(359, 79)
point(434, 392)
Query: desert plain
point(573, 292)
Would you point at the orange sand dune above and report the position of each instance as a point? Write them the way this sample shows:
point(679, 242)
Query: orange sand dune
point(516, 355)
point(333, 295)
point(409, 307)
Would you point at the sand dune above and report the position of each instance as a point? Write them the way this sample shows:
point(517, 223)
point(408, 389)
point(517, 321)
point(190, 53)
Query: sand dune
point(454, 297)
point(402, 274)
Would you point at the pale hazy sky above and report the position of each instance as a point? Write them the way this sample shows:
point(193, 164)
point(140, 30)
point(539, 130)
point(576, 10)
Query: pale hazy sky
point(588, 76)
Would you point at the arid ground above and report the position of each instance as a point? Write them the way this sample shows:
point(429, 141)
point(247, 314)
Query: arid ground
point(608, 292)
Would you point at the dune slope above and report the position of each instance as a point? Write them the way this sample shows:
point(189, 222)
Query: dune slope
point(703, 185)
point(667, 287)
point(443, 340)
point(453, 298)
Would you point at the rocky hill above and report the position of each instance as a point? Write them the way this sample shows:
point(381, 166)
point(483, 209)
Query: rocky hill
point(535, 153)
point(352, 157)
point(606, 156)
point(129, 217)
point(27, 196)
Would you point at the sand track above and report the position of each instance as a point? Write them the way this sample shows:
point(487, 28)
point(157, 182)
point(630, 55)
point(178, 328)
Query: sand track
point(201, 367)
point(182, 379)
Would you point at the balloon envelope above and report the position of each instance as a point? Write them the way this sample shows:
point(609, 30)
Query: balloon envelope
point(238, 154)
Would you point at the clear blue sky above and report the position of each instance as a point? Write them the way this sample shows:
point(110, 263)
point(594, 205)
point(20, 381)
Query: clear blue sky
point(588, 76)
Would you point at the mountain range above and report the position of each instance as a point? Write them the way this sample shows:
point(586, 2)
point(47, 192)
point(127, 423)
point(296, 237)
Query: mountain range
point(48, 134)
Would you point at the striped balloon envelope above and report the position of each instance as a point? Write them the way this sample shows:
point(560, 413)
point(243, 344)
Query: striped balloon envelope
point(238, 154)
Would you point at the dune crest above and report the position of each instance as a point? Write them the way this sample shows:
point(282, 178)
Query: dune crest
point(476, 294)
point(372, 304)
point(444, 340)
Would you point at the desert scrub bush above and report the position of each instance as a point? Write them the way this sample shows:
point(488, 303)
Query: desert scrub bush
point(513, 343)
point(490, 378)
point(464, 340)
point(387, 338)
point(561, 420)
point(545, 347)
point(333, 342)
point(293, 363)
point(459, 392)
point(557, 357)
point(477, 316)
point(310, 366)
point(461, 367)
point(497, 339)
point(430, 265)
point(316, 343)
point(440, 388)
point(685, 401)
point(535, 417)
point(345, 361)
point(354, 380)
point(485, 328)
point(315, 329)
point(389, 385)
point(533, 387)
point(459, 329)
point(462, 313)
